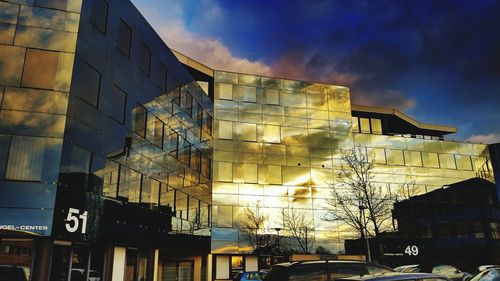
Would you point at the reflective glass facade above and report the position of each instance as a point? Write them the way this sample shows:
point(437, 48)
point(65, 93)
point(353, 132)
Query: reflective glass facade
point(278, 146)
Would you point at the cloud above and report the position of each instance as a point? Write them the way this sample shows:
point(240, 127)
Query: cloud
point(486, 139)
point(209, 51)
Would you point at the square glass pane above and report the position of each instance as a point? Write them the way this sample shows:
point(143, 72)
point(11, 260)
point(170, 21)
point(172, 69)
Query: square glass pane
point(99, 15)
point(250, 173)
point(247, 93)
point(355, 124)
point(249, 132)
point(113, 103)
point(376, 126)
point(40, 69)
point(25, 158)
point(86, 82)
point(272, 96)
point(224, 171)
point(224, 91)
point(225, 130)
point(124, 38)
point(395, 157)
point(225, 216)
point(272, 134)
point(430, 159)
point(364, 125)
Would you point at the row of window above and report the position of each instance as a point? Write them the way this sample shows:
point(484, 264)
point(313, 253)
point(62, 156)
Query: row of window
point(366, 125)
point(170, 141)
point(127, 184)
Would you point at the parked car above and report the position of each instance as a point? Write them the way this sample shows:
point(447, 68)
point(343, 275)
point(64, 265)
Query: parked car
point(398, 276)
point(446, 270)
point(78, 274)
point(489, 274)
point(249, 275)
point(12, 273)
point(486, 266)
point(322, 270)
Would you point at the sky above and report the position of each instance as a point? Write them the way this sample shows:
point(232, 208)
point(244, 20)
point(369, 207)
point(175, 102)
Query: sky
point(437, 61)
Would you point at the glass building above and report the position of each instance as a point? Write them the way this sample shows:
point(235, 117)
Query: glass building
point(121, 159)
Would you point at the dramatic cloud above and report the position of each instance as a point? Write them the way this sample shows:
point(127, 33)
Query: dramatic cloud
point(486, 139)
point(207, 50)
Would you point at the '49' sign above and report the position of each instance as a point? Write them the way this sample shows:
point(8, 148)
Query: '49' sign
point(412, 250)
point(72, 221)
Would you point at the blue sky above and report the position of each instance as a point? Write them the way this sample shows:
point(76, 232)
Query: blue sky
point(438, 61)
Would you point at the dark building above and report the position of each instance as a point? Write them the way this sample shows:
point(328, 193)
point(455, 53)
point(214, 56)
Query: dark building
point(457, 224)
point(105, 146)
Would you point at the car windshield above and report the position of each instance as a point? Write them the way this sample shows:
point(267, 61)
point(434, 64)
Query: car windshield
point(487, 275)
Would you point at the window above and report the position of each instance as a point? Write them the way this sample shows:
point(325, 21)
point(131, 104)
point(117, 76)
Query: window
point(161, 76)
point(124, 38)
point(272, 96)
point(75, 159)
point(196, 160)
point(395, 157)
point(355, 124)
point(376, 126)
point(463, 162)
point(207, 126)
point(33, 159)
point(377, 154)
point(187, 103)
point(99, 15)
point(11, 60)
point(430, 159)
point(225, 171)
point(225, 216)
point(40, 69)
point(364, 125)
point(447, 161)
point(113, 104)
point(272, 134)
point(176, 94)
point(225, 91)
point(150, 191)
point(158, 137)
point(86, 82)
point(225, 130)
point(205, 166)
point(249, 132)
point(145, 59)
point(413, 158)
point(250, 173)
point(129, 184)
point(139, 115)
point(247, 93)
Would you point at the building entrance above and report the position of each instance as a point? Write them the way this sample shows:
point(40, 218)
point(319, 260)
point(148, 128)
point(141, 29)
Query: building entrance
point(178, 271)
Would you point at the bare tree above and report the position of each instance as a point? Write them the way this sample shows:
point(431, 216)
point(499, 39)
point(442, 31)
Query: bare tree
point(406, 190)
point(252, 222)
point(356, 190)
point(200, 221)
point(300, 228)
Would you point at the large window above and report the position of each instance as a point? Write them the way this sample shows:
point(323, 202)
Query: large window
point(33, 159)
point(139, 115)
point(40, 69)
point(113, 103)
point(86, 82)
point(158, 137)
point(161, 76)
point(99, 15)
point(124, 38)
point(145, 59)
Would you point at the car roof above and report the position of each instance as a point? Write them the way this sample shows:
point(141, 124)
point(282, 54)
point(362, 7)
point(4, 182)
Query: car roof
point(293, 263)
point(395, 276)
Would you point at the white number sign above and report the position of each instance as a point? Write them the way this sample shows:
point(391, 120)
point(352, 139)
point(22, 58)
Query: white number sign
point(411, 250)
point(73, 220)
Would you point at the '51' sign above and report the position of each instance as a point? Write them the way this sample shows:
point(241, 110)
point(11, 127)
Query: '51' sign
point(73, 220)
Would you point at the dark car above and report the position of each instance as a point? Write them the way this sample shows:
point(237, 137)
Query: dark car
point(446, 270)
point(398, 276)
point(12, 273)
point(490, 274)
point(322, 270)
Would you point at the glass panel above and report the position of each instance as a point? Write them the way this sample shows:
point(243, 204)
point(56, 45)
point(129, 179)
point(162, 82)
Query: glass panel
point(447, 161)
point(225, 216)
point(463, 162)
point(247, 93)
point(66, 5)
point(45, 39)
point(224, 171)
point(7, 32)
point(129, 185)
point(40, 69)
point(145, 59)
point(225, 130)
point(139, 115)
point(355, 124)
point(124, 38)
point(249, 132)
point(48, 18)
point(158, 133)
point(376, 126)
point(35, 100)
point(250, 173)
point(75, 159)
point(99, 15)
point(377, 154)
point(150, 191)
point(272, 96)
point(8, 12)
point(225, 91)
point(364, 125)
point(11, 62)
point(430, 159)
point(395, 157)
point(86, 82)
point(113, 103)
point(413, 158)
point(272, 134)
